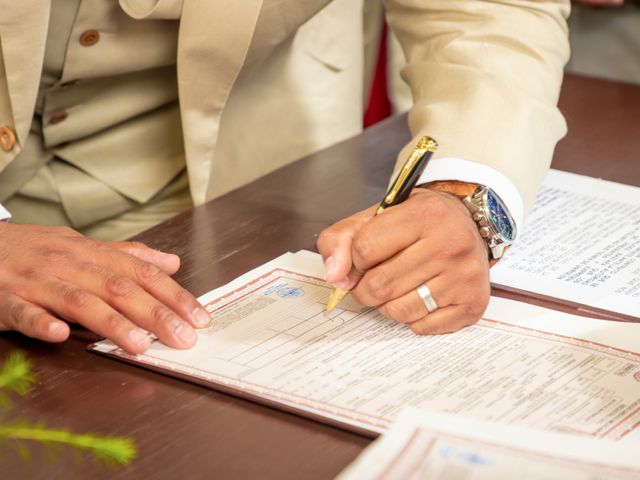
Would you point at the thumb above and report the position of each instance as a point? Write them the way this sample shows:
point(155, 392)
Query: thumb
point(167, 262)
point(334, 244)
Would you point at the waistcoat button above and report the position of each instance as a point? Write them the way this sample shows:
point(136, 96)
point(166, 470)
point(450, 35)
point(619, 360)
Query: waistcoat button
point(89, 38)
point(58, 116)
point(7, 138)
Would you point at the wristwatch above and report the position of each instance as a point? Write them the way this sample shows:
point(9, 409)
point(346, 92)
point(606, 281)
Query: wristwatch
point(495, 223)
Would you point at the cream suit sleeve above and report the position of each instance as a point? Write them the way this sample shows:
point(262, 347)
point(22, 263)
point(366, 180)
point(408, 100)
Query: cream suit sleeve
point(485, 77)
point(152, 9)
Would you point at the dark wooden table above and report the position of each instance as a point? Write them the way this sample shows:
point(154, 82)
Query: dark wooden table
point(183, 430)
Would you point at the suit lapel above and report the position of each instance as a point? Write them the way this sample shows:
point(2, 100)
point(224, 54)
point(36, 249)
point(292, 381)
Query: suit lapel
point(23, 34)
point(214, 39)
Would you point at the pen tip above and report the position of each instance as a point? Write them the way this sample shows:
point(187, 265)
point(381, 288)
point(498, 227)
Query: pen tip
point(335, 298)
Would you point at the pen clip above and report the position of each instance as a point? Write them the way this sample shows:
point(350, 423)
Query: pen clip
point(406, 178)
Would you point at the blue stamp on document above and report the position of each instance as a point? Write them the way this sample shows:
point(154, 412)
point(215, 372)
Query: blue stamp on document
point(451, 452)
point(290, 292)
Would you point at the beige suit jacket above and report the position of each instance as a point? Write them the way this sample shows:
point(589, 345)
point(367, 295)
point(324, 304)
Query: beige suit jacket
point(253, 77)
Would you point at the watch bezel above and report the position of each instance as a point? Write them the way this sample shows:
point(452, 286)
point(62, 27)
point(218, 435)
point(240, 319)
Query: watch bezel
point(478, 205)
point(490, 216)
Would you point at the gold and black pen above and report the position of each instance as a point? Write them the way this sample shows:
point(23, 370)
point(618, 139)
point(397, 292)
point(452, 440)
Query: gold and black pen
point(398, 192)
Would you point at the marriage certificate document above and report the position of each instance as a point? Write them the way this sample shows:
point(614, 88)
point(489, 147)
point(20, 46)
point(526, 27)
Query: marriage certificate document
point(272, 341)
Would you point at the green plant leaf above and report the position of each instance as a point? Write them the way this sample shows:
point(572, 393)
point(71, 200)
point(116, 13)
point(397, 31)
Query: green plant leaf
point(110, 450)
point(16, 375)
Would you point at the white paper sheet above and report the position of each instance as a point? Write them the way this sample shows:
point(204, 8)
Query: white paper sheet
point(271, 338)
point(580, 243)
point(430, 446)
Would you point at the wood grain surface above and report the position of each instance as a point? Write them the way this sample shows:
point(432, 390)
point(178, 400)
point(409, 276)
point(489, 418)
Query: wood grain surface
point(186, 431)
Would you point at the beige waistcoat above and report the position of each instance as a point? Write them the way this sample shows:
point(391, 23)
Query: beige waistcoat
point(108, 140)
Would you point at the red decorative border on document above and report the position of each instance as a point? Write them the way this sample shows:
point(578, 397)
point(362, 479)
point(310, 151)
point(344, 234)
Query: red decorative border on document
point(379, 424)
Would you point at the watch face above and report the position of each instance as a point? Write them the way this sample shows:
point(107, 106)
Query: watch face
point(499, 217)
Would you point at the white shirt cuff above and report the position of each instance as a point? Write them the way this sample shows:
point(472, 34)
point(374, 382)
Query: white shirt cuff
point(4, 213)
point(467, 171)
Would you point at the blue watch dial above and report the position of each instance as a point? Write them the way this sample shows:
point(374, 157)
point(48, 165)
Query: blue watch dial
point(499, 217)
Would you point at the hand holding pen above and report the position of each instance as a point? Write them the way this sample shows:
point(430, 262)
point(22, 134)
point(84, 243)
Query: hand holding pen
point(417, 256)
point(398, 192)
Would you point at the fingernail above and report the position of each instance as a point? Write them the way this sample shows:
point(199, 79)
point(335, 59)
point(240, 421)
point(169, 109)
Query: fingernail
point(343, 284)
point(201, 317)
point(184, 333)
point(168, 256)
point(329, 267)
point(139, 336)
point(55, 328)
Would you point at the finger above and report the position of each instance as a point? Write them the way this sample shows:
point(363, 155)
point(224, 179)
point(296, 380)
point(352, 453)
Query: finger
point(383, 237)
point(457, 250)
point(157, 283)
point(167, 262)
point(466, 273)
point(410, 308)
point(133, 302)
point(400, 226)
point(78, 305)
point(29, 319)
point(446, 320)
point(334, 244)
point(378, 240)
point(400, 274)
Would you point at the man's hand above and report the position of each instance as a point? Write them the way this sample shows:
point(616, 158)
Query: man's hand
point(430, 239)
point(120, 290)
